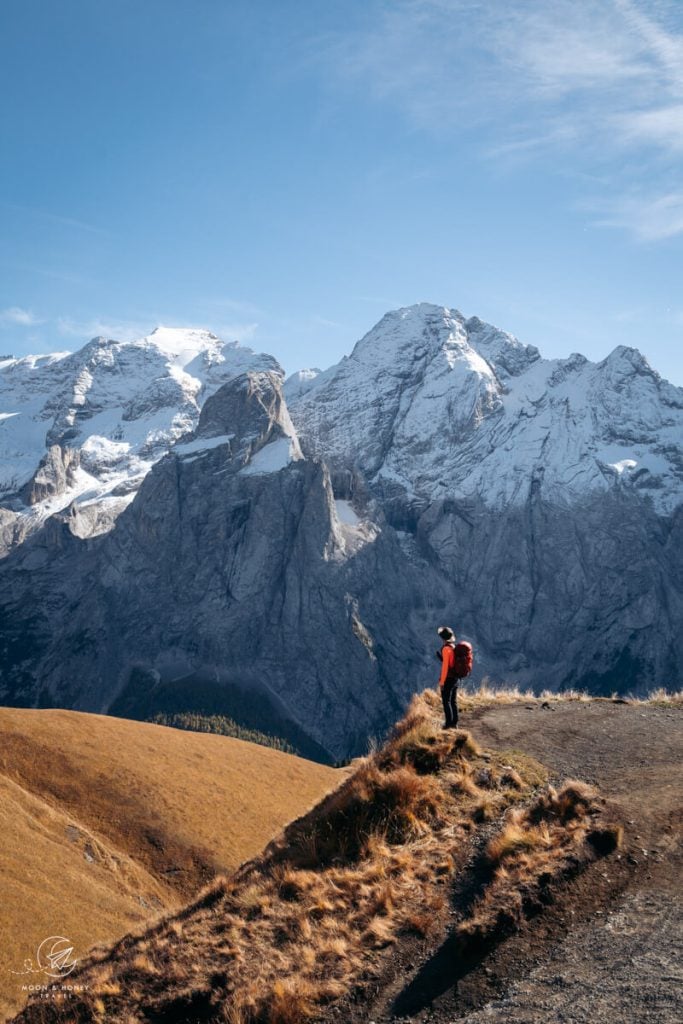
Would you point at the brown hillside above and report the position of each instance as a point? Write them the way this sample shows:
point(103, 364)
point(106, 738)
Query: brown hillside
point(428, 835)
point(105, 822)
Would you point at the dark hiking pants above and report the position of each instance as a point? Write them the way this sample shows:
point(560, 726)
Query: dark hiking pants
point(449, 696)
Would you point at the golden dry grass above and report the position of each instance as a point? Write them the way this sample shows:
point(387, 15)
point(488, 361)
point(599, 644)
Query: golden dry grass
point(318, 913)
point(661, 698)
point(486, 696)
point(297, 927)
point(556, 833)
point(107, 822)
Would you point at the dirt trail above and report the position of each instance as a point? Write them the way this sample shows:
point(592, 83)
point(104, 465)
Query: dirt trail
point(611, 948)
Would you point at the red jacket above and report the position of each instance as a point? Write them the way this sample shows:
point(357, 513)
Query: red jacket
point(447, 662)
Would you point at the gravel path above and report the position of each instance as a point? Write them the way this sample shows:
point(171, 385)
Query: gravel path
point(623, 964)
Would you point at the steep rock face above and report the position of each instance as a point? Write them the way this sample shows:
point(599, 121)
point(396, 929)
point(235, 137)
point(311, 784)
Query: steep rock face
point(587, 596)
point(548, 492)
point(55, 475)
point(231, 577)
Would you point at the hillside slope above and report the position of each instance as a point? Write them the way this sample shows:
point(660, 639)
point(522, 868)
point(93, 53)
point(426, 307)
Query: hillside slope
point(429, 836)
point(106, 822)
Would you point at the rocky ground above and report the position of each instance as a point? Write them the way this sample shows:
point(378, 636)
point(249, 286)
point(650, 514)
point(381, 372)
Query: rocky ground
point(611, 946)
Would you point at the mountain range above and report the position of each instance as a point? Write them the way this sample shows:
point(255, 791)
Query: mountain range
point(185, 529)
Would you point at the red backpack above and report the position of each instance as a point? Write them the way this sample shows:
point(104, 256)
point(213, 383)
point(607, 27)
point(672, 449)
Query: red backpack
point(462, 659)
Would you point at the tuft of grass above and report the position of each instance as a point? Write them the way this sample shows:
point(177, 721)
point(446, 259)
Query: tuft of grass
point(144, 965)
point(462, 782)
point(486, 808)
point(510, 777)
point(515, 838)
point(421, 923)
point(419, 742)
point(660, 698)
point(293, 1000)
point(520, 765)
point(557, 833)
point(487, 695)
point(399, 805)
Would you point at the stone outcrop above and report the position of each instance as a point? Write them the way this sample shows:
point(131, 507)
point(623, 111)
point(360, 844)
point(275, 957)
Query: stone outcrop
point(55, 475)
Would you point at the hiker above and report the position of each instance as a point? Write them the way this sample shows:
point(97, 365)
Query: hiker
point(456, 663)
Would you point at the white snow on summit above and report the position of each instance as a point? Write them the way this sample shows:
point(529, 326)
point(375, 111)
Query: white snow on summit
point(120, 404)
point(439, 406)
point(429, 405)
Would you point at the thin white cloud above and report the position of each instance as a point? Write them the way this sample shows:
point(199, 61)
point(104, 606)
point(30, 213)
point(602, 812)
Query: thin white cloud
point(600, 81)
point(16, 316)
point(561, 48)
point(119, 330)
point(651, 219)
point(661, 127)
point(132, 330)
point(452, 62)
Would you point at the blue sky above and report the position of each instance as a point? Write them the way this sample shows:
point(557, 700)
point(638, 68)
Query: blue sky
point(286, 171)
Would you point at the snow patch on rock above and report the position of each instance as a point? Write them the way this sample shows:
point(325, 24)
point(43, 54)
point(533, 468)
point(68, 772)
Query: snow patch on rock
point(274, 456)
point(345, 513)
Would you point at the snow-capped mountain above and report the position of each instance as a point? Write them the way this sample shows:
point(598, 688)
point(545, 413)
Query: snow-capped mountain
point(86, 427)
point(201, 538)
point(432, 405)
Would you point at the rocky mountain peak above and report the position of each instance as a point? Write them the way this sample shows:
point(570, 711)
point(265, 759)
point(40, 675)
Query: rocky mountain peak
point(409, 333)
point(430, 404)
point(426, 331)
point(250, 411)
point(627, 360)
point(113, 408)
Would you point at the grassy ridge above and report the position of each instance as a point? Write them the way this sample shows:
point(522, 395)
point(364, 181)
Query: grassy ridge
point(314, 918)
point(106, 821)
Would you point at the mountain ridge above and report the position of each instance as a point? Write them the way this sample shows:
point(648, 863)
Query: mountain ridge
point(292, 557)
point(116, 406)
point(566, 417)
point(152, 390)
